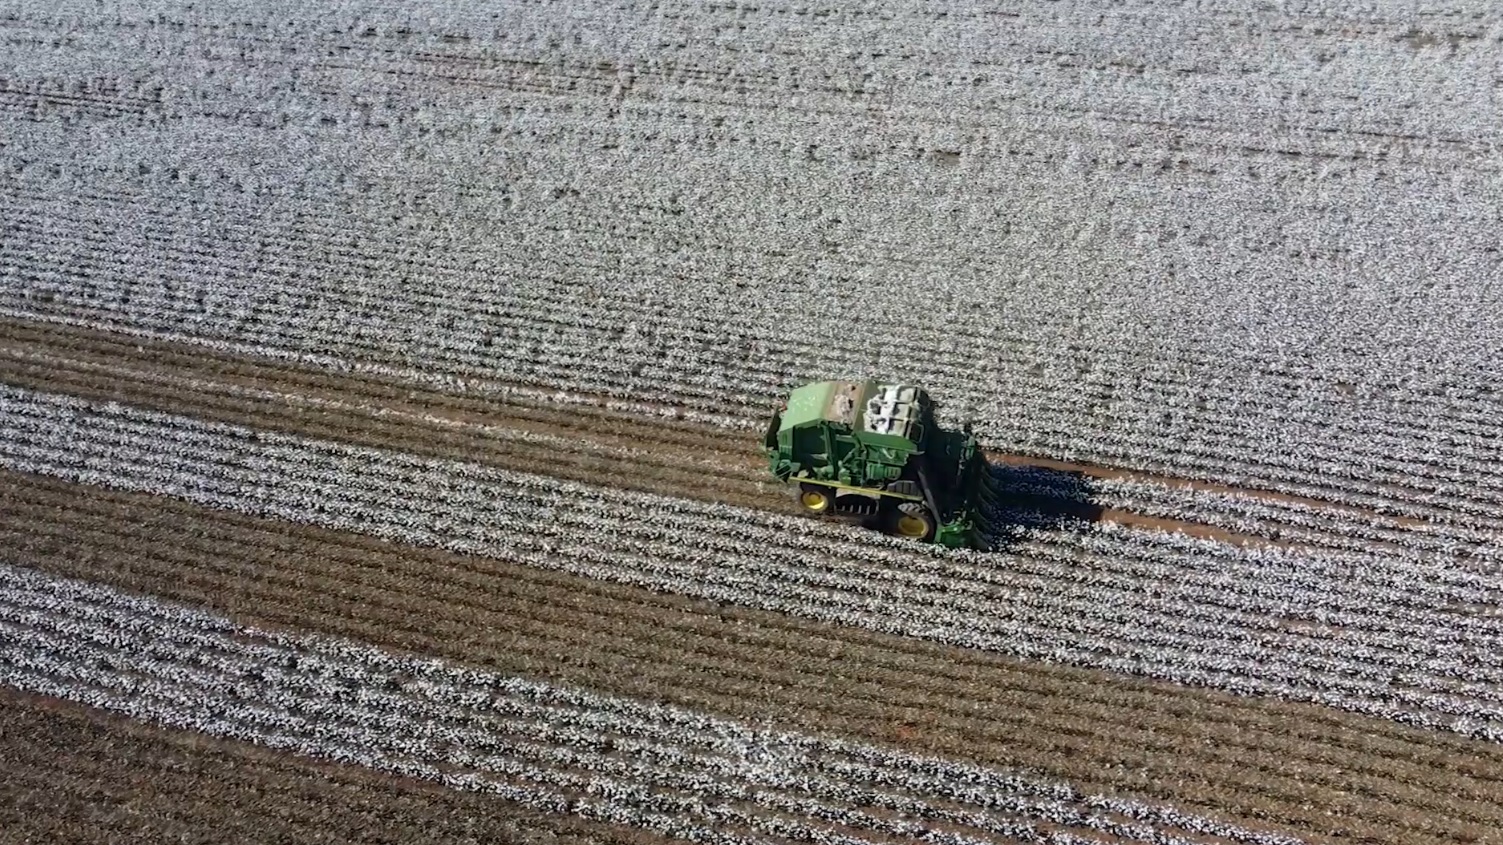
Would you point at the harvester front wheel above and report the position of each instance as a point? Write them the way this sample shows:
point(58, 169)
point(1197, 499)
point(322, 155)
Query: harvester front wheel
point(816, 498)
point(911, 520)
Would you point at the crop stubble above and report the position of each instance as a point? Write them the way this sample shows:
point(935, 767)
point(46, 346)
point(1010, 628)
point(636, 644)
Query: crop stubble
point(1295, 756)
point(77, 774)
point(1267, 760)
point(662, 455)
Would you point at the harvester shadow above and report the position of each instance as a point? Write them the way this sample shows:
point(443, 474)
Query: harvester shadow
point(1032, 498)
point(1028, 499)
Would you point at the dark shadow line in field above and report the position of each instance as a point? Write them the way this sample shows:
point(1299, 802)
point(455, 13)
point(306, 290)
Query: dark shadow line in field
point(1038, 498)
point(1028, 497)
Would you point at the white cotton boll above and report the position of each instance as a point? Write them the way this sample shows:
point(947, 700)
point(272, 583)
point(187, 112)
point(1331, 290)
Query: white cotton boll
point(649, 765)
point(1219, 618)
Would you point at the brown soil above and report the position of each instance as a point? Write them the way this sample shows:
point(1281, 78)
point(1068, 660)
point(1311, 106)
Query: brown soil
point(1261, 763)
point(76, 774)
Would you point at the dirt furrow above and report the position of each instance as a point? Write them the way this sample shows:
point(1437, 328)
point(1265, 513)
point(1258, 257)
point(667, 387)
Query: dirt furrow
point(393, 426)
point(77, 774)
point(1266, 760)
point(348, 563)
point(671, 457)
point(1103, 472)
point(187, 361)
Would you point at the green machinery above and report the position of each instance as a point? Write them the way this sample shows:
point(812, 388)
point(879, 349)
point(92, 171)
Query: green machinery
point(868, 448)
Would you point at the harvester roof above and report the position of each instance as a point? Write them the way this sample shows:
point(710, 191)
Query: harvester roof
point(866, 406)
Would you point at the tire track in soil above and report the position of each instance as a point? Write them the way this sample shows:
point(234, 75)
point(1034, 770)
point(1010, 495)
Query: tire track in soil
point(1269, 763)
point(78, 774)
point(582, 443)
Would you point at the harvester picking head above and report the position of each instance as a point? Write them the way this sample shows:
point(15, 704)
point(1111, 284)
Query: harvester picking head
point(977, 500)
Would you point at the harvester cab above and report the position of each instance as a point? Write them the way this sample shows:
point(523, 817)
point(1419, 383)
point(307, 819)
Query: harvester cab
point(863, 447)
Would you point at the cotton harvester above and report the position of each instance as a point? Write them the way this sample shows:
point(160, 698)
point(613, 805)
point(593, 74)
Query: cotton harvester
point(867, 448)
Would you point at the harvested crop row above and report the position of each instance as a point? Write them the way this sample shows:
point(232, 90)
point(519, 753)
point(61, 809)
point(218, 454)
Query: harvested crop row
point(586, 446)
point(78, 774)
point(509, 435)
point(1094, 632)
point(1266, 758)
point(1225, 514)
point(1161, 549)
point(69, 348)
point(377, 411)
point(1387, 440)
point(350, 566)
point(1291, 522)
point(563, 750)
point(764, 561)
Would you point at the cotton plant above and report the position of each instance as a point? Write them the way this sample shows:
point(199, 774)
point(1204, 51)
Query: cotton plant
point(1147, 603)
point(1261, 265)
point(550, 747)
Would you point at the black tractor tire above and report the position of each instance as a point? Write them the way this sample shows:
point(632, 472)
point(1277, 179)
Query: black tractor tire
point(816, 498)
point(911, 521)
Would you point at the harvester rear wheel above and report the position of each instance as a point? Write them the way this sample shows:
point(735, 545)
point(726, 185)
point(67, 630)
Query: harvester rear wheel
point(816, 498)
point(911, 520)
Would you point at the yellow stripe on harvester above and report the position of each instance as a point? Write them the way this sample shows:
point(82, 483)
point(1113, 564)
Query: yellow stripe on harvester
point(870, 491)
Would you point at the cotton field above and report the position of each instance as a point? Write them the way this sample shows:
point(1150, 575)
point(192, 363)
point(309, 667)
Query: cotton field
point(381, 389)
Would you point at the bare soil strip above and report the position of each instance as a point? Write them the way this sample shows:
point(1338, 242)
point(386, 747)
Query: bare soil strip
point(679, 772)
point(77, 774)
point(1255, 763)
point(581, 443)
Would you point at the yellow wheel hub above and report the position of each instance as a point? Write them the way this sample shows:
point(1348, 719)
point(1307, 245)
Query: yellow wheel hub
point(912, 526)
point(814, 500)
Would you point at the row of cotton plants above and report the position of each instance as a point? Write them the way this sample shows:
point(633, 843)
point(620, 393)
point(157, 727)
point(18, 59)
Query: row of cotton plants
point(1385, 458)
point(1118, 259)
point(560, 749)
point(1148, 604)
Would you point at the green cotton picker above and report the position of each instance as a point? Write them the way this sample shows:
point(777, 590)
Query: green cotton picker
point(867, 448)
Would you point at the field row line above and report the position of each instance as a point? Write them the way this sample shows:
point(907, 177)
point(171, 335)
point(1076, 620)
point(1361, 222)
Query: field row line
point(296, 480)
point(70, 350)
point(60, 360)
point(1310, 571)
point(1308, 483)
point(525, 740)
point(288, 395)
point(232, 391)
point(64, 346)
point(898, 566)
point(545, 301)
point(378, 590)
point(1447, 494)
point(1278, 521)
